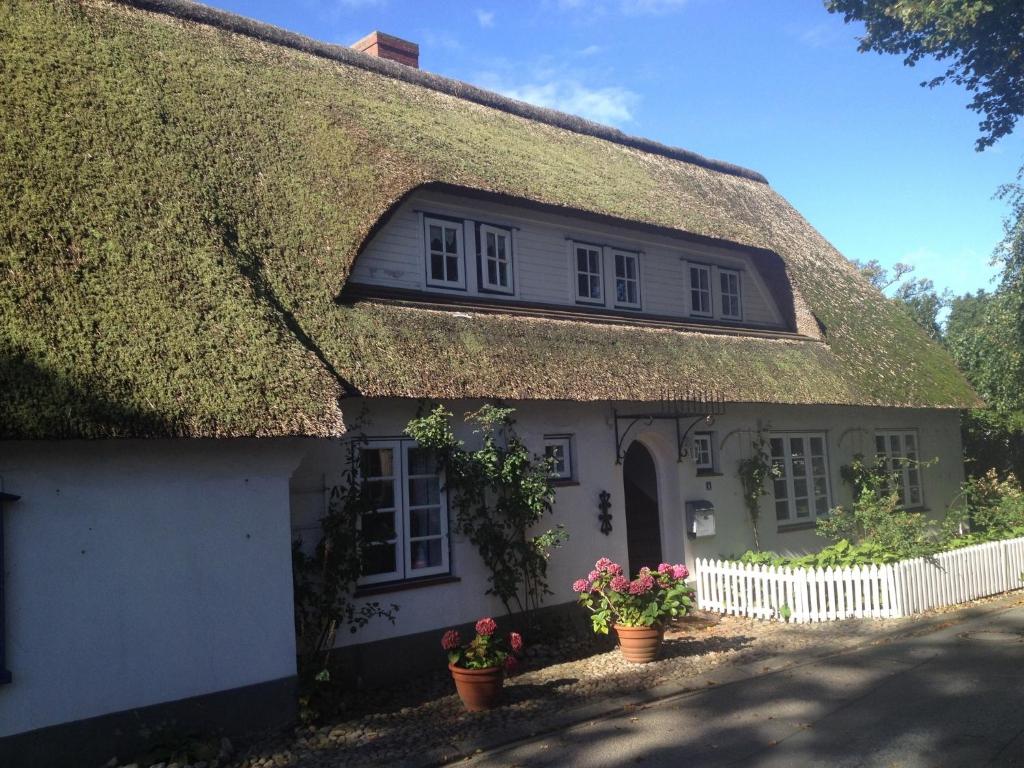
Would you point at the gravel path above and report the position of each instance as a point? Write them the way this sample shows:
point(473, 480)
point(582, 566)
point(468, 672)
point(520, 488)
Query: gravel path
point(425, 722)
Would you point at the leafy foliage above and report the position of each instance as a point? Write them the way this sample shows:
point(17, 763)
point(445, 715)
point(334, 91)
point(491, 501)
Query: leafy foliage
point(612, 598)
point(981, 41)
point(917, 296)
point(499, 492)
point(485, 650)
point(753, 471)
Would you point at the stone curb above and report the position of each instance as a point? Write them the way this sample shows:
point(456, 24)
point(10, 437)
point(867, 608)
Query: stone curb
point(727, 674)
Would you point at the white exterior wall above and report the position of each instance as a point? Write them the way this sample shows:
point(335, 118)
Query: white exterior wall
point(141, 572)
point(542, 261)
point(849, 431)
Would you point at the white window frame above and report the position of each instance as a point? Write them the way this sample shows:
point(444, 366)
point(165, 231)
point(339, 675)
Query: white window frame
point(565, 442)
point(708, 438)
point(723, 272)
point(790, 480)
point(403, 540)
point(705, 269)
point(627, 256)
point(485, 283)
point(590, 248)
point(460, 244)
point(904, 470)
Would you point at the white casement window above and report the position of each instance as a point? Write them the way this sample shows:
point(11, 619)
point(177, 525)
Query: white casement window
point(446, 265)
point(898, 450)
point(558, 448)
point(700, 290)
point(406, 535)
point(627, 279)
point(704, 452)
point(589, 275)
point(495, 259)
point(729, 283)
point(800, 476)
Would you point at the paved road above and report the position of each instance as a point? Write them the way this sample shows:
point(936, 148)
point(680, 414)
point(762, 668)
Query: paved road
point(952, 697)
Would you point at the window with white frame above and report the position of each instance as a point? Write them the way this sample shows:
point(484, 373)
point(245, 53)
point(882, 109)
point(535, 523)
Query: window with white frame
point(406, 534)
point(589, 276)
point(704, 451)
point(800, 476)
point(898, 449)
point(627, 279)
point(496, 259)
point(558, 449)
point(729, 283)
point(446, 266)
point(700, 290)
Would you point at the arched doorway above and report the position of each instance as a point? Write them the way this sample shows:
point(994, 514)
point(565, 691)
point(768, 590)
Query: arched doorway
point(643, 524)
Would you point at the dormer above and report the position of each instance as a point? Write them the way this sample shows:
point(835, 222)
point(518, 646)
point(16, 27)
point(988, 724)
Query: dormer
point(448, 247)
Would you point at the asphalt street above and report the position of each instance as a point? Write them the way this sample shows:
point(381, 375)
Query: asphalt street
point(953, 696)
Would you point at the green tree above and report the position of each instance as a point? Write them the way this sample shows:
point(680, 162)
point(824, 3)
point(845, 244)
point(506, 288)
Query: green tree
point(981, 43)
point(917, 295)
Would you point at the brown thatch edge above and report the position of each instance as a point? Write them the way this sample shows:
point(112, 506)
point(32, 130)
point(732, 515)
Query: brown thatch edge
point(187, 10)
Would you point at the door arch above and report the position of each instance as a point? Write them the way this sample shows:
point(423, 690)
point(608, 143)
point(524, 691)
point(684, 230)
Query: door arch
point(640, 495)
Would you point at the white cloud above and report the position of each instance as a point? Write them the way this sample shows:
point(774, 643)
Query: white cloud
point(638, 7)
point(590, 50)
point(486, 18)
point(612, 105)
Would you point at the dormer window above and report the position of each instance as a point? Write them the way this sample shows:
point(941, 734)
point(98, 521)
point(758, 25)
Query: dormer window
point(589, 276)
point(729, 280)
point(627, 279)
point(700, 290)
point(496, 259)
point(446, 267)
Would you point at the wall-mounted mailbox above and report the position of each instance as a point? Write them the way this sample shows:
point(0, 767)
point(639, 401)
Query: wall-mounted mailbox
point(700, 518)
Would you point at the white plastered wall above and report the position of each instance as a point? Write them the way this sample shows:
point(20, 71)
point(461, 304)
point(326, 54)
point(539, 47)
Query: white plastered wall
point(142, 572)
point(848, 431)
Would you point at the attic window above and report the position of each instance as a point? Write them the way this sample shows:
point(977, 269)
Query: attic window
point(446, 266)
point(700, 290)
point(495, 259)
point(729, 281)
point(589, 275)
point(627, 280)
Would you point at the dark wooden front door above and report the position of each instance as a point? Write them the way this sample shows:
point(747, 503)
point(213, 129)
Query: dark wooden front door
point(640, 491)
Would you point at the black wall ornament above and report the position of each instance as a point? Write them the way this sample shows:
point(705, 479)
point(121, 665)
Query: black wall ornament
point(605, 516)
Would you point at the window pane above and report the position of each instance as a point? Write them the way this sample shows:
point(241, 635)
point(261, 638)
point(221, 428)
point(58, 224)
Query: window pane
point(820, 487)
point(894, 445)
point(915, 495)
point(378, 558)
point(620, 265)
point(803, 508)
point(581, 260)
point(377, 527)
point(593, 262)
point(377, 462)
point(491, 250)
point(776, 446)
point(817, 446)
point(583, 286)
point(503, 274)
point(796, 446)
point(502, 249)
point(436, 266)
point(453, 269)
point(424, 491)
point(620, 291)
point(879, 443)
point(450, 240)
point(426, 554)
point(421, 461)
point(781, 488)
point(821, 505)
point(910, 442)
point(818, 465)
point(595, 287)
point(425, 522)
point(799, 487)
point(380, 493)
point(492, 273)
point(781, 510)
point(435, 238)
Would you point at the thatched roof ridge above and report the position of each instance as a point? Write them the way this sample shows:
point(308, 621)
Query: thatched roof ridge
point(180, 207)
point(188, 10)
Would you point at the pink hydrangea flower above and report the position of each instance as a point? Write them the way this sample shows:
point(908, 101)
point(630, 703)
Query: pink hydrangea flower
point(594, 575)
point(450, 641)
point(619, 584)
point(644, 572)
point(680, 572)
point(664, 568)
point(515, 641)
point(641, 585)
point(581, 585)
point(603, 563)
point(486, 627)
point(615, 569)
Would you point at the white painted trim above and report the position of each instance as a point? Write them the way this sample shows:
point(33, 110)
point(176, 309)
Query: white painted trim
point(693, 311)
point(460, 245)
point(574, 271)
point(485, 283)
point(635, 256)
point(739, 293)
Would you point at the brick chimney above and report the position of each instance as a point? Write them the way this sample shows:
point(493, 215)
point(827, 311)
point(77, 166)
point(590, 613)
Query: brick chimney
point(390, 47)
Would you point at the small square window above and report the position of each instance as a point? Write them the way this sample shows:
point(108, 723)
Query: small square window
point(589, 274)
point(704, 452)
point(558, 448)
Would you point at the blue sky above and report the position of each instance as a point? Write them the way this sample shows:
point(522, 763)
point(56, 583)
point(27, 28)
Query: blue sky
point(882, 167)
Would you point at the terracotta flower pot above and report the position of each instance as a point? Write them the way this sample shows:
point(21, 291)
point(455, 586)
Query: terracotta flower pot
point(639, 644)
point(479, 689)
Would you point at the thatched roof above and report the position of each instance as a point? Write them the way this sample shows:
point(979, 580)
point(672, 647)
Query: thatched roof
point(181, 206)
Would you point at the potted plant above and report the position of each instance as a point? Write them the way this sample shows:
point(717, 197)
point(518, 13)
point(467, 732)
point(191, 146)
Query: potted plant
point(478, 667)
point(634, 608)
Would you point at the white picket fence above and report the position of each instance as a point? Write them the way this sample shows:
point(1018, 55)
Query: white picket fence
point(860, 591)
